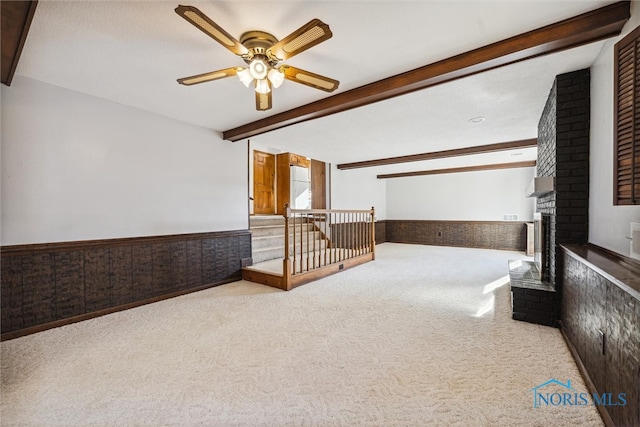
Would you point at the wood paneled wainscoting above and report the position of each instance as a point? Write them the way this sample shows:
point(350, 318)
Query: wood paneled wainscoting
point(504, 235)
point(52, 284)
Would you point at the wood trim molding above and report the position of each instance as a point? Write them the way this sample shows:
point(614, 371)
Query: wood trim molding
point(490, 148)
point(583, 29)
point(16, 21)
point(33, 248)
point(495, 166)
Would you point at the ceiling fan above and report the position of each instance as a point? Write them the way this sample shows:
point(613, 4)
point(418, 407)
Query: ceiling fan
point(263, 53)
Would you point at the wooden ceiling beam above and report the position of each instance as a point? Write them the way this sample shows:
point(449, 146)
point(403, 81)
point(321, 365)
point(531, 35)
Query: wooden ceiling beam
point(583, 29)
point(512, 165)
point(16, 20)
point(479, 149)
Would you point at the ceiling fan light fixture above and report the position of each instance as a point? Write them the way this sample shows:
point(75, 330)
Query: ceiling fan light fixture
point(259, 68)
point(262, 86)
point(276, 77)
point(245, 77)
point(262, 52)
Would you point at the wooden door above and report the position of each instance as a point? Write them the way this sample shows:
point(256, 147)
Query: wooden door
point(264, 172)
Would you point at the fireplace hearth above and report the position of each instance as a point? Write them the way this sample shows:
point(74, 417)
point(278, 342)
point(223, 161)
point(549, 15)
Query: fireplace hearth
point(532, 299)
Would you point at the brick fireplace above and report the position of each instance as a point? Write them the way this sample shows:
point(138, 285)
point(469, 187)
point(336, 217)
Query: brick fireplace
point(563, 153)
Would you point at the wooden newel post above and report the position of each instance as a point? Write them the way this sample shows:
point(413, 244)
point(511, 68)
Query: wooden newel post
point(286, 262)
point(373, 233)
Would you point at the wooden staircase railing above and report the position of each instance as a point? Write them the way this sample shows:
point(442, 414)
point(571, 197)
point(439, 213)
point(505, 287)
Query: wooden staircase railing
point(346, 239)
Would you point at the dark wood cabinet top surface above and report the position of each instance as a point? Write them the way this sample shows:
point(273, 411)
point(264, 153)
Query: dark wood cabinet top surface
point(622, 271)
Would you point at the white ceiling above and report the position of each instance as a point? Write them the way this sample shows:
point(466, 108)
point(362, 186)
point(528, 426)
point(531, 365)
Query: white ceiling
point(132, 52)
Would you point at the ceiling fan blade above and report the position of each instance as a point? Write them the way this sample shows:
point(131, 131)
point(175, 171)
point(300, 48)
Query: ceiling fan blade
point(263, 101)
point(310, 79)
point(312, 33)
point(211, 29)
point(207, 77)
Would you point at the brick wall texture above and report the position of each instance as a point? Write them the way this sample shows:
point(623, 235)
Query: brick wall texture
point(563, 152)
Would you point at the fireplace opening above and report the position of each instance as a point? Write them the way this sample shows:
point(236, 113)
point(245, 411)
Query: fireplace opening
point(542, 245)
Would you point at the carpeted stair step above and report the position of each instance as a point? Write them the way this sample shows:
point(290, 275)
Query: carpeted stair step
point(267, 254)
point(267, 237)
point(274, 252)
point(259, 221)
point(278, 230)
point(271, 241)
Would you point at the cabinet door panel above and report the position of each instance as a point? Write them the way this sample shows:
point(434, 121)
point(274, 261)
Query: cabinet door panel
point(594, 321)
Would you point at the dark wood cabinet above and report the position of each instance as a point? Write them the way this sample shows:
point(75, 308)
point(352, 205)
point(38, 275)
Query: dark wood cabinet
point(601, 321)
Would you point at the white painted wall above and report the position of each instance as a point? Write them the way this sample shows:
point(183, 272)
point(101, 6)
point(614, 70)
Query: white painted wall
point(468, 196)
point(76, 167)
point(608, 224)
point(358, 189)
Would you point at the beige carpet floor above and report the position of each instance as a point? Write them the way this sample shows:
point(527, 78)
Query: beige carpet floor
point(420, 337)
